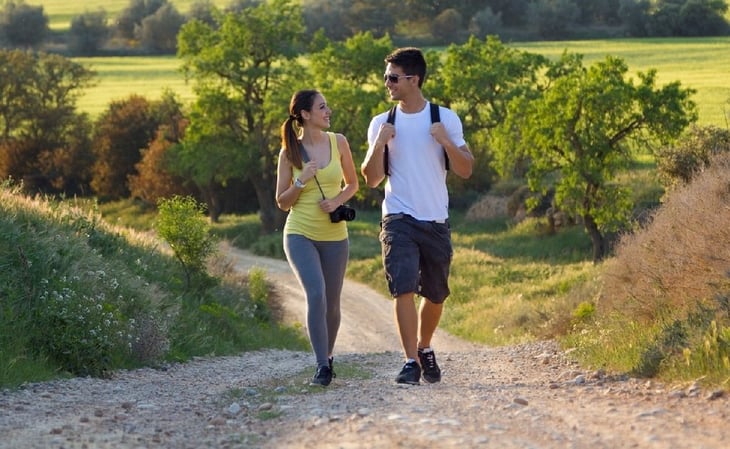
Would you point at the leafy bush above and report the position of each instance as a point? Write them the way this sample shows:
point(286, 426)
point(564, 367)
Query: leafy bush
point(680, 163)
point(83, 332)
point(182, 224)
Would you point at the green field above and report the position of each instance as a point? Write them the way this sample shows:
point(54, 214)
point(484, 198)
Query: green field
point(119, 77)
point(701, 63)
point(60, 12)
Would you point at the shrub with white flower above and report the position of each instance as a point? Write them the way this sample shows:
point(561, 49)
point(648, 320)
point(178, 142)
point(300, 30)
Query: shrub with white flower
point(84, 331)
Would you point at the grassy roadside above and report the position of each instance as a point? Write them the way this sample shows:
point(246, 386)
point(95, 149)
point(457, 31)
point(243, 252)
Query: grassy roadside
point(513, 282)
point(657, 308)
point(79, 296)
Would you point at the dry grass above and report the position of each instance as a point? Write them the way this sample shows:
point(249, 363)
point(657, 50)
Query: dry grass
point(487, 208)
point(680, 259)
point(664, 304)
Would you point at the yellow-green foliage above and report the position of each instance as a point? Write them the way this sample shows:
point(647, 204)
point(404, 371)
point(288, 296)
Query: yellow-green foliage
point(182, 223)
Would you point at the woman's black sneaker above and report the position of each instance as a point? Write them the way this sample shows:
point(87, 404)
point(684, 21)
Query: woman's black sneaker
point(322, 377)
point(331, 362)
point(431, 370)
point(410, 374)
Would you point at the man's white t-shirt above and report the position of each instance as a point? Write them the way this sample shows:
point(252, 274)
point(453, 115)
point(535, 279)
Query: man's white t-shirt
point(417, 163)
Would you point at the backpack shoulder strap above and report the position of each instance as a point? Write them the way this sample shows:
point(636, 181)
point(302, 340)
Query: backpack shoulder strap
point(391, 120)
point(391, 115)
point(435, 115)
point(435, 118)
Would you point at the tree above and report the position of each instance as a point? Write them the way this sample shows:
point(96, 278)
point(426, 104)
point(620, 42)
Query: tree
point(678, 164)
point(448, 26)
point(634, 15)
point(478, 79)
point(131, 17)
point(376, 16)
point(703, 18)
point(120, 134)
point(484, 23)
point(23, 25)
point(88, 33)
point(203, 11)
point(245, 72)
point(158, 32)
point(355, 93)
point(41, 134)
point(326, 16)
point(553, 18)
point(153, 179)
point(580, 131)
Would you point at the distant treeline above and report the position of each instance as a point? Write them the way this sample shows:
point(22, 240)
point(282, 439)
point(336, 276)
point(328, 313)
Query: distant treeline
point(151, 26)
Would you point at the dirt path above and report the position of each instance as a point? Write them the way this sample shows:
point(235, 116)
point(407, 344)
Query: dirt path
point(526, 396)
point(367, 317)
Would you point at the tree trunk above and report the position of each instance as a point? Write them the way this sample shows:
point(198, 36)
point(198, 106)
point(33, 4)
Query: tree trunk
point(272, 218)
point(597, 239)
point(211, 196)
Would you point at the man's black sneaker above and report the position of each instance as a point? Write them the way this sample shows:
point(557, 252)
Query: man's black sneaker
point(410, 374)
point(322, 377)
point(431, 370)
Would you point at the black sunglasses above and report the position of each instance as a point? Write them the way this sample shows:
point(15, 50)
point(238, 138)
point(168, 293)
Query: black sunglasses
point(394, 78)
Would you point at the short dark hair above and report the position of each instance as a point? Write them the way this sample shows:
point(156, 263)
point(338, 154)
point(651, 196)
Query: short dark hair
point(411, 60)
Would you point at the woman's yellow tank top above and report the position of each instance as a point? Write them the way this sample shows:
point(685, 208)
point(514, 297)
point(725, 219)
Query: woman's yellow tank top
point(305, 217)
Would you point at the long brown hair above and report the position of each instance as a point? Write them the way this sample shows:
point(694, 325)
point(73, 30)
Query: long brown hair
point(302, 100)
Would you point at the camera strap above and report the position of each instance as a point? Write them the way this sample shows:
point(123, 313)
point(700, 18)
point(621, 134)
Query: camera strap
point(305, 158)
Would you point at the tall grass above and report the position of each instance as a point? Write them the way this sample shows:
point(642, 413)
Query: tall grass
point(665, 305)
point(79, 296)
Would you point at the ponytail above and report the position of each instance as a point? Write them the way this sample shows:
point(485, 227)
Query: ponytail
point(301, 101)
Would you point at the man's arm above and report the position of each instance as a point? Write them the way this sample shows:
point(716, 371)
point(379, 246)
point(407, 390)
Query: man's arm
point(461, 160)
point(373, 167)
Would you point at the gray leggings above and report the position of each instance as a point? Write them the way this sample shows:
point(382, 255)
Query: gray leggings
point(320, 269)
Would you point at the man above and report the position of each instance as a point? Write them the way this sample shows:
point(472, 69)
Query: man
point(415, 154)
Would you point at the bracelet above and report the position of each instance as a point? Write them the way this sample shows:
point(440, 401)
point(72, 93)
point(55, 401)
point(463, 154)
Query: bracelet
point(299, 184)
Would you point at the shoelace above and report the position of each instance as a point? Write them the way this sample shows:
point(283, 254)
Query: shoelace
point(430, 359)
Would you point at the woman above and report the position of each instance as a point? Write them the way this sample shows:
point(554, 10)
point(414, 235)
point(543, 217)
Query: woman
point(315, 176)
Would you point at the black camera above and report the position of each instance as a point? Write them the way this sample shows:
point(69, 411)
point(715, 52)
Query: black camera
point(342, 213)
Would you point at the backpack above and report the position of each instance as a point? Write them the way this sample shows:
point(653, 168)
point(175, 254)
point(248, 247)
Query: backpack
point(435, 118)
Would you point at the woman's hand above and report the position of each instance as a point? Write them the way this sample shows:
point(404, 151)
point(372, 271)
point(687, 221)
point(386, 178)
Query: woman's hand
point(328, 206)
point(309, 171)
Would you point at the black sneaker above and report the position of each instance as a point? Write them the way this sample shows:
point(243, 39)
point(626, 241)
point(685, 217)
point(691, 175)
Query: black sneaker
point(331, 362)
point(322, 377)
point(410, 374)
point(431, 370)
